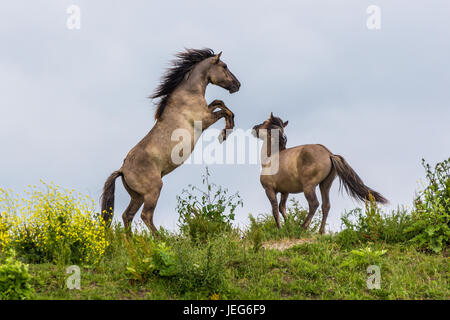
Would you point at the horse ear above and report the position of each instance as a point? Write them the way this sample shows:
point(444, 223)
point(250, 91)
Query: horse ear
point(217, 58)
point(271, 115)
point(286, 123)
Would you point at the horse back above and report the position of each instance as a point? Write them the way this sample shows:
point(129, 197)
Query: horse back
point(300, 166)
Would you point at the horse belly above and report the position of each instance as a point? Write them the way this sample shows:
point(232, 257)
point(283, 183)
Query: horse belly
point(287, 178)
point(283, 182)
point(289, 185)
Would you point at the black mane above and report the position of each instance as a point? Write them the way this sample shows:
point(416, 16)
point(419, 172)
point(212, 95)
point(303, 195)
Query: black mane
point(277, 123)
point(184, 63)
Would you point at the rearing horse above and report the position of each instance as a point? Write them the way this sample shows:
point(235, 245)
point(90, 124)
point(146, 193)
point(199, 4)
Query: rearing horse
point(182, 102)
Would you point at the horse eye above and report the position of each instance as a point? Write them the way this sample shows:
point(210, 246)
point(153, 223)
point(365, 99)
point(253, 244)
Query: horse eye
point(225, 67)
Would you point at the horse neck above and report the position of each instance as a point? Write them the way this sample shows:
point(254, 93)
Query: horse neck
point(269, 150)
point(188, 102)
point(196, 81)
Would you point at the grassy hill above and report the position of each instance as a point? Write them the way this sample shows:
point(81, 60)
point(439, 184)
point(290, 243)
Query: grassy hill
point(377, 255)
point(229, 268)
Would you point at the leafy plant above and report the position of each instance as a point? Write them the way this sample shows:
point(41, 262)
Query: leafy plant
point(363, 257)
point(202, 269)
point(164, 260)
point(432, 209)
point(372, 225)
point(368, 224)
point(139, 251)
point(53, 225)
point(5, 234)
point(298, 214)
point(15, 280)
point(147, 258)
point(263, 227)
point(204, 213)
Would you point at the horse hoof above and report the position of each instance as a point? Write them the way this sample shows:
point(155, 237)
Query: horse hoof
point(223, 136)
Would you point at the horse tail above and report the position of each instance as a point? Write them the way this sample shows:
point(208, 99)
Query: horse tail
point(352, 183)
point(107, 198)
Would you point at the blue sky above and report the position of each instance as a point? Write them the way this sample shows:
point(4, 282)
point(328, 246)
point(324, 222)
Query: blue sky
point(74, 102)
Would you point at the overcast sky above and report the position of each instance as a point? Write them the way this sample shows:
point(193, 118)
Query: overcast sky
point(73, 102)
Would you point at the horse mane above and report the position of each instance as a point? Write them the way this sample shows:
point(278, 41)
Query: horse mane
point(283, 141)
point(277, 123)
point(184, 63)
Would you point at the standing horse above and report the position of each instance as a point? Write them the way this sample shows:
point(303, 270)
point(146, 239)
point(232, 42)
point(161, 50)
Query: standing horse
point(301, 169)
point(182, 102)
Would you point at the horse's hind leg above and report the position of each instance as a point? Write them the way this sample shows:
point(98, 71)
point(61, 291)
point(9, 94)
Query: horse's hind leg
point(313, 203)
point(273, 201)
point(150, 200)
point(130, 211)
point(325, 187)
point(282, 206)
point(134, 205)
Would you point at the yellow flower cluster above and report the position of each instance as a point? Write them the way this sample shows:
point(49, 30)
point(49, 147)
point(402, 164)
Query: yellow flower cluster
point(49, 220)
point(5, 225)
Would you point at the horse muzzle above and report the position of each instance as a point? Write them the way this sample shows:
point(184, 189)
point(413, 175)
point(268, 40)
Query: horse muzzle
point(234, 87)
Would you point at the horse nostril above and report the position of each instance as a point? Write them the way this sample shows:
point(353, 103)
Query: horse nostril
point(234, 87)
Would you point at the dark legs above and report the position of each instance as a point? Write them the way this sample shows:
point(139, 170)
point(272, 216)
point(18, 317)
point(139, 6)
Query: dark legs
point(223, 113)
point(282, 206)
point(273, 201)
point(150, 200)
point(130, 211)
point(325, 186)
point(313, 204)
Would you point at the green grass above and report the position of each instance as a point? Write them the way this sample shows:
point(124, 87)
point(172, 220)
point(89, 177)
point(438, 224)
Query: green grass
point(209, 259)
point(230, 267)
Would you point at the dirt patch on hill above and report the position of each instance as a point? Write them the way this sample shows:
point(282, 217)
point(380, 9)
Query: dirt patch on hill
point(284, 244)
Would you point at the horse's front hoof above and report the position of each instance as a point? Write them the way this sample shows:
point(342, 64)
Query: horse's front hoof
point(224, 135)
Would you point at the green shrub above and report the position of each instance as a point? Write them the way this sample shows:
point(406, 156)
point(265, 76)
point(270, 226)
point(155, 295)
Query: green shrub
point(427, 226)
point(188, 268)
point(264, 228)
point(432, 209)
point(363, 257)
point(375, 226)
point(139, 252)
point(148, 258)
point(15, 281)
point(207, 213)
point(202, 270)
point(5, 234)
point(53, 225)
point(164, 260)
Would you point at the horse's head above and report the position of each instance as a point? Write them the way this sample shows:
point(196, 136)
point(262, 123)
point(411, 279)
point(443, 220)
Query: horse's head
point(220, 75)
point(273, 123)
